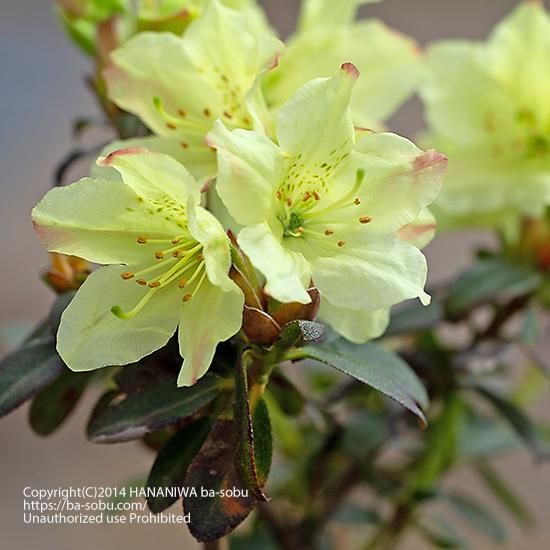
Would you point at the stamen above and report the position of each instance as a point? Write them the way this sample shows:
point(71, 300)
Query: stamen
point(141, 282)
point(187, 297)
point(142, 240)
point(365, 219)
point(341, 243)
point(154, 284)
point(329, 232)
point(127, 275)
point(340, 203)
point(159, 255)
point(174, 122)
point(357, 202)
point(182, 283)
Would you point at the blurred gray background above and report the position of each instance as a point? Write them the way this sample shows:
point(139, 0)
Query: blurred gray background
point(42, 92)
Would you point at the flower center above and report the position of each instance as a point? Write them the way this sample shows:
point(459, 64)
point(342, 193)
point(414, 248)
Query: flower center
point(309, 214)
point(535, 137)
point(178, 261)
point(197, 123)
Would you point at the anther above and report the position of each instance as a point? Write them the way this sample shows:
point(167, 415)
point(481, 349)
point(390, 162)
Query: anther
point(341, 243)
point(227, 114)
point(175, 241)
point(289, 201)
point(279, 195)
point(207, 112)
point(170, 126)
point(142, 240)
point(127, 275)
point(182, 283)
point(141, 282)
point(357, 202)
point(184, 145)
point(329, 232)
point(182, 113)
point(154, 284)
point(187, 297)
point(365, 219)
point(307, 196)
point(200, 257)
point(316, 196)
point(178, 253)
point(159, 255)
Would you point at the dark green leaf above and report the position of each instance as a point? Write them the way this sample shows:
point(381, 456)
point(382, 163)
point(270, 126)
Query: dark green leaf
point(288, 397)
point(222, 501)
point(441, 535)
point(26, 371)
point(490, 279)
point(263, 441)
point(377, 367)
point(505, 494)
point(519, 421)
point(298, 333)
point(441, 444)
point(173, 460)
point(477, 516)
point(483, 437)
point(123, 417)
point(245, 455)
point(415, 317)
point(364, 433)
point(51, 407)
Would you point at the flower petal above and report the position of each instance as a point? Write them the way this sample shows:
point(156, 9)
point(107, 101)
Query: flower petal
point(98, 220)
point(328, 13)
point(208, 231)
point(400, 179)
point(316, 122)
point(91, 337)
point(287, 273)
point(421, 231)
point(372, 274)
point(357, 326)
point(153, 176)
point(249, 166)
point(390, 66)
point(211, 317)
point(201, 162)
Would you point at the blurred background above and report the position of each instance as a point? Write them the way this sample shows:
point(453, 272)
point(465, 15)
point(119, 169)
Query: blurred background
point(43, 91)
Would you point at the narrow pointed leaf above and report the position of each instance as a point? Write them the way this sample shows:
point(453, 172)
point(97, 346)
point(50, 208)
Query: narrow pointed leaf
point(489, 279)
point(505, 494)
point(519, 421)
point(477, 516)
point(173, 460)
point(53, 405)
point(375, 366)
point(123, 417)
point(27, 371)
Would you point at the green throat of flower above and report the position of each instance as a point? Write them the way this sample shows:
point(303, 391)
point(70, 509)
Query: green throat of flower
point(304, 214)
point(176, 262)
point(195, 123)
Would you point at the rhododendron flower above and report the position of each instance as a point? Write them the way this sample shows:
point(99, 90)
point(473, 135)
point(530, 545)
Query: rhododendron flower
point(179, 85)
point(166, 262)
point(327, 206)
point(326, 37)
point(488, 108)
